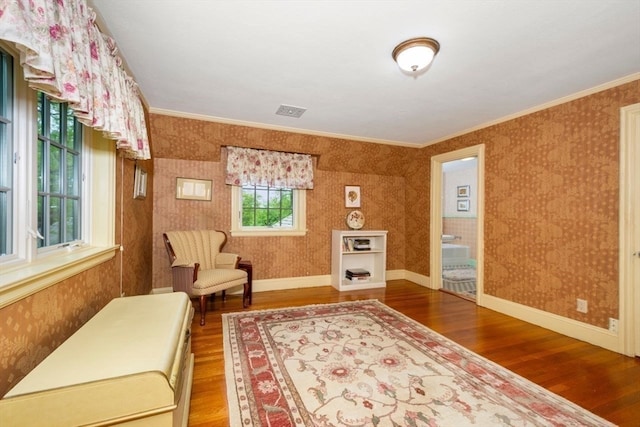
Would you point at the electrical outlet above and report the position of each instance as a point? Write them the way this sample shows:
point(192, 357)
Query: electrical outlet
point(582, 306)
point(613, 325)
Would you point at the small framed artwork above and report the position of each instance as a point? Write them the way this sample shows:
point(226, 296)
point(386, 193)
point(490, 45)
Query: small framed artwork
point(193, 189)
point(352, 196)
point(463, 205)
point(139, 183)
point(463, 191)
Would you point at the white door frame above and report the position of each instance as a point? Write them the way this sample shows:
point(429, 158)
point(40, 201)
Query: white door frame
point(435, 265)
point(629, 264)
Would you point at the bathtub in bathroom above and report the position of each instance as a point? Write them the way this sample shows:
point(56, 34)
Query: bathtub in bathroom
point(454, 254)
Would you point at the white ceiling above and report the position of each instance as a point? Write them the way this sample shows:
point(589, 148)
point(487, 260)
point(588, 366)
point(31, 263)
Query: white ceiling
point(238, 61)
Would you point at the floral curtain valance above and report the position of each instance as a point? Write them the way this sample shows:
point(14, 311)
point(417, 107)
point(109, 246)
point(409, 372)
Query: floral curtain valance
point(65, 55)
point(270, 168)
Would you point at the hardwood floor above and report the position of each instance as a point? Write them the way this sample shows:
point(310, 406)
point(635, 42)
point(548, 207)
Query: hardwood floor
point(605, 383)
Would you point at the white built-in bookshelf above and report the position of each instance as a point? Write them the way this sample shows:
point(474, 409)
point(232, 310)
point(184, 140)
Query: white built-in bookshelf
point(347, 253)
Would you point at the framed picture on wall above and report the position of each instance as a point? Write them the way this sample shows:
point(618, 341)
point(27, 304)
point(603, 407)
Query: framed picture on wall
point(193, 189)
point(463, 191)
point(352, 196)
point(463, 205)
point(139, 183)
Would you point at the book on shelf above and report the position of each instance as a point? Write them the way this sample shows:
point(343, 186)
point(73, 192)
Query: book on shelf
point(358, 279)
point(357, 272)
point(357, 275)
point(347, 244)
point(350, 244)
point(361, 244)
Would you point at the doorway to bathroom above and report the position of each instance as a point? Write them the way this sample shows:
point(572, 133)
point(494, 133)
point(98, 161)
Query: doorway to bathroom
point(459, 224)
point(457, 209)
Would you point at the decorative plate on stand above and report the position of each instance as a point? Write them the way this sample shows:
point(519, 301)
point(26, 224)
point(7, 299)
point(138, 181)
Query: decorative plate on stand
point(355, 220)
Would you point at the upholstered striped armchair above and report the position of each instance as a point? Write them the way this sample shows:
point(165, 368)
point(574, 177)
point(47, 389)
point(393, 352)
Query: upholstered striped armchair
point(200, 268)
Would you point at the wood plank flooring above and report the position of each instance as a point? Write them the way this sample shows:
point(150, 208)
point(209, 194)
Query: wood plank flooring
point(605, 383)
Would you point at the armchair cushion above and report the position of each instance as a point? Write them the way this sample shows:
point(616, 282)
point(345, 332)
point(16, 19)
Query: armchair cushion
point(227, 260)
point(212, 281)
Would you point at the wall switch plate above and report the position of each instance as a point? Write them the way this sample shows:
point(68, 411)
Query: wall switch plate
point(582, 306)
point(613, 325)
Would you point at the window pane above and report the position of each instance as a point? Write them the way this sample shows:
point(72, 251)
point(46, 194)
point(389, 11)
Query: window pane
point(40, 113)
point(70, 139)
point(55, 220)
point(41, 219)
point(72, 220)
point(6, 153)
point(262, 197)
point(40, 166)
point(5, 157)
point(55, 176)
point(248, 197)
point(267, 207)
point(54, 122)
point(72, 174)
point(6, 84)
point(6, 183)
point(59, 173)
point(5, 236)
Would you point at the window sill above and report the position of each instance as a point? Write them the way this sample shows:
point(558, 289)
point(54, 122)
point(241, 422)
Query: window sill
point(22, 281)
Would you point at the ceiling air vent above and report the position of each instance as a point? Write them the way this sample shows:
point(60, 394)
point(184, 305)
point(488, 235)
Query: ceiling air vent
point(290, 111)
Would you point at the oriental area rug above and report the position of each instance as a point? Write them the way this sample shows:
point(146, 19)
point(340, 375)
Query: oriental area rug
point(364, 364)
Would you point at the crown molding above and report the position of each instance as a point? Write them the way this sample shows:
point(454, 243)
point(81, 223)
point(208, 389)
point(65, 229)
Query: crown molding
point(559, 101)
point(618, 82)
point(215, 119)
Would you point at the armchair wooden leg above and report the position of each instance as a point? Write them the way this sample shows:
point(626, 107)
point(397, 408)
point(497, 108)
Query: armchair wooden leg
point(246, 295)
point(203, 308)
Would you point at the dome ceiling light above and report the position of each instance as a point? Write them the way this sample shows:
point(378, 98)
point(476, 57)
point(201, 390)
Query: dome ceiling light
point(416, 54)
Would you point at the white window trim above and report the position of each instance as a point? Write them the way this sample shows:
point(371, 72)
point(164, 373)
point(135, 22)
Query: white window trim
point(299, 224)
point(26, 273)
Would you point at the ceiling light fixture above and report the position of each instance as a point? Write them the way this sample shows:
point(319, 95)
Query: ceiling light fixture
point(416, 54)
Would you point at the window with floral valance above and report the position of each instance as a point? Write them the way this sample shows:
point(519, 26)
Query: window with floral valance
point(65, 55)
point(268, 194)
point(269, 168)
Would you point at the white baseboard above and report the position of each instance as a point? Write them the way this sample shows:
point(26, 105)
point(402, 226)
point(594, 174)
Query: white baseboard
point(285, 283)
point(417, 278)
point(563, 325)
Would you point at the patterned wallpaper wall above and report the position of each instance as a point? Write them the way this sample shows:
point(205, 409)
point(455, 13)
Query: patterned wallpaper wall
point(185, 147)
point(551, 209)
point(190, 139)
point(136, 238)
point(274, 257)
point(30, 329)
point(551, 205)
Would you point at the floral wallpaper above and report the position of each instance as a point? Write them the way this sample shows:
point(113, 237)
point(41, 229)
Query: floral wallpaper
point(35, 326)
point(551, 205)
point(274, 257)
point(31, 328)
point(551, 200)
point(185, 147)
point(190, 139)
